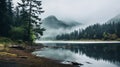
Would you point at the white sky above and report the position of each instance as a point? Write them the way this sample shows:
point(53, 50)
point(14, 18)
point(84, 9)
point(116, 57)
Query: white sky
point(85, 11)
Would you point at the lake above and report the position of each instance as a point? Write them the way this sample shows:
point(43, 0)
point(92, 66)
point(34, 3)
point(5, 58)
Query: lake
point(88, 54)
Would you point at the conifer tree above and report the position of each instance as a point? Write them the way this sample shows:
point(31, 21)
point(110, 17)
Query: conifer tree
point(4, 19)
point(31, 10)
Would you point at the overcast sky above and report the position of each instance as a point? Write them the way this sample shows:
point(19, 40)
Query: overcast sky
point(85, 11)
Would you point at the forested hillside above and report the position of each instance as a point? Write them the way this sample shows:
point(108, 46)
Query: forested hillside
point(107, 31)
point(54, 26)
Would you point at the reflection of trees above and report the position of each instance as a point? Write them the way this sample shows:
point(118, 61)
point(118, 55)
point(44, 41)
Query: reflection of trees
point(108, 52)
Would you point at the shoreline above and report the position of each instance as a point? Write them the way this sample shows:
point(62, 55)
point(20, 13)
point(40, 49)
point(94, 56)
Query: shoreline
point(81, 42)
point(24, 58)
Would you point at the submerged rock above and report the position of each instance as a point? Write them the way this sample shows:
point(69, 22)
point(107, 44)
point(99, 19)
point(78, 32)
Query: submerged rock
point(88, 63)
point(75, 63)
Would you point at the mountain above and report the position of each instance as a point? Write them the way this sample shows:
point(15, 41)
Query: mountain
point(115, 19)
point(54, 26)
point(54, 23)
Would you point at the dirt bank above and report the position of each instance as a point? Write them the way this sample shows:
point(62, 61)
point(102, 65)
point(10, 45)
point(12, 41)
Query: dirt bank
point(24, 58)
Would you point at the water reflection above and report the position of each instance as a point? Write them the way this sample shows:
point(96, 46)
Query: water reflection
point(57, 54)
point(108, 52)
point(99, 55)
point(10, 64)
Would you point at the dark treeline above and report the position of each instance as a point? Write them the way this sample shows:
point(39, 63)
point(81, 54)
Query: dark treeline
point(21, 22)
point(107, 31)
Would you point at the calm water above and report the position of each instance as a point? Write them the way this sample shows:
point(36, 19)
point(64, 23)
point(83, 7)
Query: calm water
point(10, 64)
point(91, 55)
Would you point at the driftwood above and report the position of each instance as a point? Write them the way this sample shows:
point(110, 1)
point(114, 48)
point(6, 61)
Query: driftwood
point(88, 63)
point(17, 47)
point(75, 63)
point(24, 57)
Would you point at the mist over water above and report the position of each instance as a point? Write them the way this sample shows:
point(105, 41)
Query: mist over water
point(52, 33)
point(75, 42)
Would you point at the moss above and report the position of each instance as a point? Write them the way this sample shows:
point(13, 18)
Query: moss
point(1, 46)
point(8, 54)
point(4, 39)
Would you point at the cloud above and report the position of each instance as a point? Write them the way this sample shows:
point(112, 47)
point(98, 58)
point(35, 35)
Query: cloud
point(85, 11)
point(88, 11)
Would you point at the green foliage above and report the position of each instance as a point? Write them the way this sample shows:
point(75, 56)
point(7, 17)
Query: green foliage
point(30, 18)
point(26, 23)
point(5, 40)
point(106, 36)
point(114, 36)
point(17, 33)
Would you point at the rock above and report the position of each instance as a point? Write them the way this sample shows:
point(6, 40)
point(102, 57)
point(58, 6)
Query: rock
point(17, 47)
point(75, 63)
point(24, 57)
point(88, 63)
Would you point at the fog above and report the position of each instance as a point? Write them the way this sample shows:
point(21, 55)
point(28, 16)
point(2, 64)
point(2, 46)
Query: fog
point(50, 34)
point(86, 11)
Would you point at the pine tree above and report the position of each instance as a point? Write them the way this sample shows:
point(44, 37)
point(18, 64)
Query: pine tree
point(4, 19)
point(31, 10)
point(10, 15)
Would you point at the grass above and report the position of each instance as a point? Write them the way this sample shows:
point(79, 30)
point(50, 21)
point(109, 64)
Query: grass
point(8, 54)
point(1, 46)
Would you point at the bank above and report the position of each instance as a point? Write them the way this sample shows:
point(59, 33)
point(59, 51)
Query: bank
point(21, 57)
